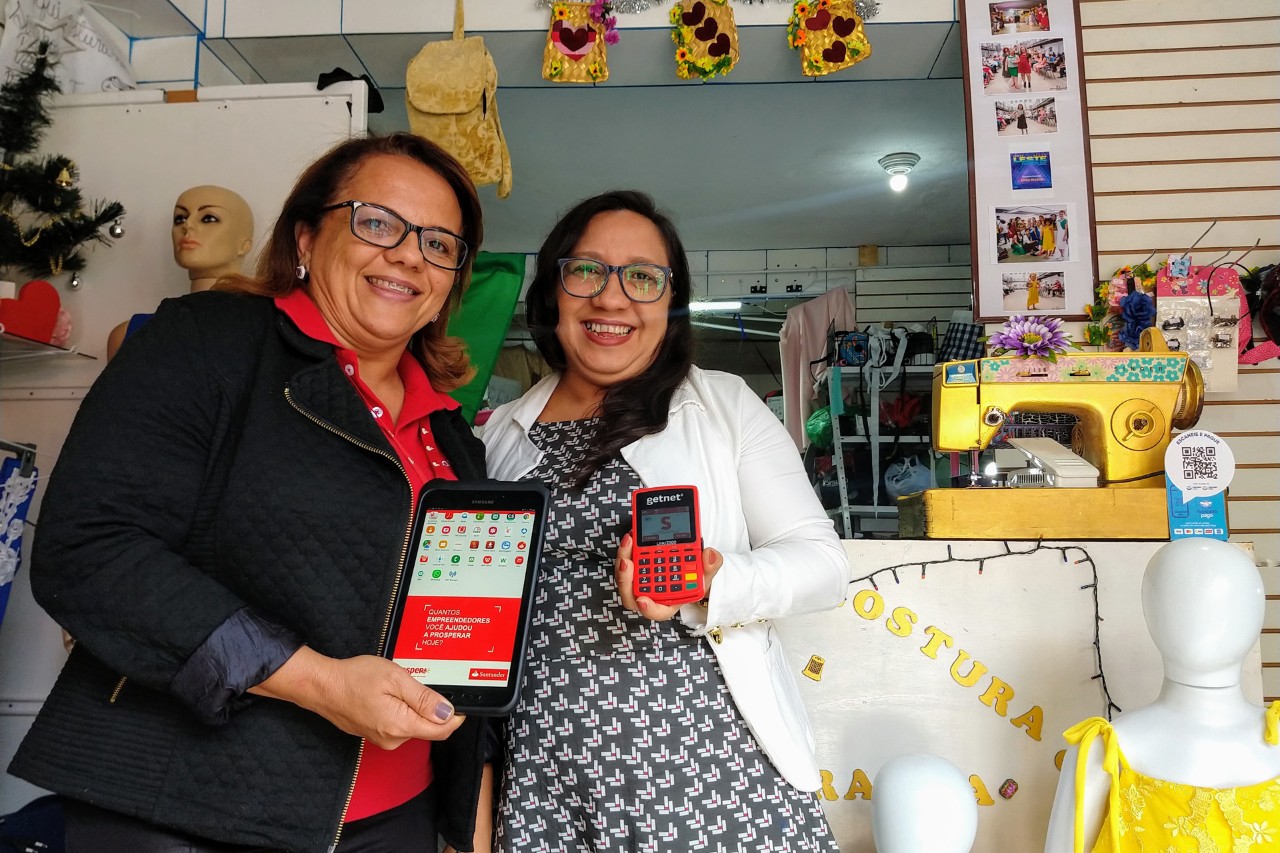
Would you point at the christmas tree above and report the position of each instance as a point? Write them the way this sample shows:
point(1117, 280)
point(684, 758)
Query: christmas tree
point(43, 223)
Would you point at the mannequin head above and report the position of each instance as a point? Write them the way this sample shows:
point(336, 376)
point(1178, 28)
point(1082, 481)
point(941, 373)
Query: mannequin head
point(922, 802)
point(212, 234)
point(1203, 601)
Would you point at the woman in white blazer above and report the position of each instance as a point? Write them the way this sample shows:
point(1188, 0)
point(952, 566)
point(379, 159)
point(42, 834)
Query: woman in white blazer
point(636, 730)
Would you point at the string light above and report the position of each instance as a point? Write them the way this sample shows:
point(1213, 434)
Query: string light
point(1066, 551)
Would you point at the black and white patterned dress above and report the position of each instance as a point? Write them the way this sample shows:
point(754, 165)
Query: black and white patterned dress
point(626, 737)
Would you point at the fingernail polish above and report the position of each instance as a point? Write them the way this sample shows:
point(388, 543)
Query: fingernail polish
point(443, 711)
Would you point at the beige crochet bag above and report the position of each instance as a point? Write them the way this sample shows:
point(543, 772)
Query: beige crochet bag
point(575, 49)
point(450, 95)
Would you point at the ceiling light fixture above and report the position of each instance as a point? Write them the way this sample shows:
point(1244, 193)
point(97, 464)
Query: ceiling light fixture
point(718, 305)
point(897, 165)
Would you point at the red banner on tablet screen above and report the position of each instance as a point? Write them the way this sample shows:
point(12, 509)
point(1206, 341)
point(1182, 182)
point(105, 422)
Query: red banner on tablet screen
point(458, 628)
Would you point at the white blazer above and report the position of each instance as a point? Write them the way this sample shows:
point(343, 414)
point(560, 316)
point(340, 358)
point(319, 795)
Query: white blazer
point(781, 552)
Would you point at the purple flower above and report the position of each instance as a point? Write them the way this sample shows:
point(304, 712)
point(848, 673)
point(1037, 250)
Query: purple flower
point(1030, 336)
point(611, 37)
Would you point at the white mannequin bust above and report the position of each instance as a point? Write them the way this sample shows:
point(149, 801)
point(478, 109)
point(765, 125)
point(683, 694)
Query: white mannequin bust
point(922, 804)
point(1203, 601)
point(212, 234)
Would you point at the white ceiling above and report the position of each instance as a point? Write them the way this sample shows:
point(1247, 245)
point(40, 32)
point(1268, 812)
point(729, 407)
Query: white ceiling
point(763, 158)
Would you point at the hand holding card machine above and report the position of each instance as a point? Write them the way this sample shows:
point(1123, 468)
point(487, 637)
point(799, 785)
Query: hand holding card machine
point(667, 545)
point(462, 611)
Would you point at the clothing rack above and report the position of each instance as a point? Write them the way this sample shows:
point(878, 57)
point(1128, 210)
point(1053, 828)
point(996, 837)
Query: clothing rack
point(25, 452)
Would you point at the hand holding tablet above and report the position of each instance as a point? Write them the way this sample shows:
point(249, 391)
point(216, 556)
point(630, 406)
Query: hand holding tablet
point(463, 608)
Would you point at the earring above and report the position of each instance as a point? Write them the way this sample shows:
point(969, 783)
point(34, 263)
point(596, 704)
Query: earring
point(300, 272)
point(433, 319)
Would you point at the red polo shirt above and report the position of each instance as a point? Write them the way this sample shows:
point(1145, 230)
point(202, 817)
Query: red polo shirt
point(387, 778)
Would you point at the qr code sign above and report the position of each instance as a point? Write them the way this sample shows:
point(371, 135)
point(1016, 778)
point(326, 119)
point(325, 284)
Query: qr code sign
point(1199, 463)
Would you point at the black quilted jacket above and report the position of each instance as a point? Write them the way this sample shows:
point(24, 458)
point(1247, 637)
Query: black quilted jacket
point(223, 461)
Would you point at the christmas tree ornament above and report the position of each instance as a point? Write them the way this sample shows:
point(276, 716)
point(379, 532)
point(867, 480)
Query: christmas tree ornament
point(34, 313)
point(116, 230)
point(64, 179)
point(74, 284)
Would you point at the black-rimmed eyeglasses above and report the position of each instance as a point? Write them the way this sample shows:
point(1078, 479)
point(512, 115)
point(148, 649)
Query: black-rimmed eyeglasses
point(387, 229)
point(585, 278)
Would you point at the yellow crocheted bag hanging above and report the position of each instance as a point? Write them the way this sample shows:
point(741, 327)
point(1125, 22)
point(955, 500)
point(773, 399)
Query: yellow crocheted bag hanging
point(575, 51)
point(706, 38)
point(828, 34)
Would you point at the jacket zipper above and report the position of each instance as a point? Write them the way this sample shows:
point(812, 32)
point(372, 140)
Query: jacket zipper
point(115, 694)
point(395, 588)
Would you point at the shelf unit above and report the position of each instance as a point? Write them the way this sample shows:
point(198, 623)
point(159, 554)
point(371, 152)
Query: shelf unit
point(865, 515)
point(14, 347)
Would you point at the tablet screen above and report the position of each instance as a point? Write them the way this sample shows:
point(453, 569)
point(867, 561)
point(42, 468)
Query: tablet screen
point(460, 624)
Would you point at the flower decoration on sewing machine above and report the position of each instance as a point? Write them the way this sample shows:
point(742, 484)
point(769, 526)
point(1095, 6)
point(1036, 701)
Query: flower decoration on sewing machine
point(1031, 337)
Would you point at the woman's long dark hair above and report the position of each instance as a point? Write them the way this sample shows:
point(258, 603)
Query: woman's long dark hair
point(444, 358)
point(637, 406)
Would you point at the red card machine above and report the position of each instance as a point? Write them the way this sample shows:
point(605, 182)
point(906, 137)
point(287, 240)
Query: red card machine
point(667, 549)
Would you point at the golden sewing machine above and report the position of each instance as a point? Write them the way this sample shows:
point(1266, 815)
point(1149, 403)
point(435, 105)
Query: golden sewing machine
point(1111, 483)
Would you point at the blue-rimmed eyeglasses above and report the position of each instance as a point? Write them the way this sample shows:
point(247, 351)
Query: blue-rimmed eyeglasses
point(387, 229)
point(585, 278)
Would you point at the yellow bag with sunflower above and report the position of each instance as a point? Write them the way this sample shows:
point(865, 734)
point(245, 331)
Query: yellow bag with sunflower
point(706, 38)
point(828, 34)
point(575, 49)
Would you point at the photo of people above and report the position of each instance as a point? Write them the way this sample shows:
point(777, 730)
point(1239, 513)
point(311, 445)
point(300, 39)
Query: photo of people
point(1030, 170)
point(1032, 233)
point(1023, 67)
point(1034, 291)
point(1026, 117)
point(1019, 16)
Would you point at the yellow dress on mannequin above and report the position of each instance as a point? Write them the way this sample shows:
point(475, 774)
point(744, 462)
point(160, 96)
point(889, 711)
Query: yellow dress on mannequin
point(1146, 814)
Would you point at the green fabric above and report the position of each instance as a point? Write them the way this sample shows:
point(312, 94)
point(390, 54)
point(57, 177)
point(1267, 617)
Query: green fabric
point(483, 320)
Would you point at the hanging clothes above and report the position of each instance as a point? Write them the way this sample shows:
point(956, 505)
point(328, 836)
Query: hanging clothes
point(804, 338)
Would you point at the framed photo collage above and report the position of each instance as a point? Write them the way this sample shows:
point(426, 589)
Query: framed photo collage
point(1029, 174)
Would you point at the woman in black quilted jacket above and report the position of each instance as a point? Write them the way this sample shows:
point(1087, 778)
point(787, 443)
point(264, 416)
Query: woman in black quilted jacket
point(226, 527)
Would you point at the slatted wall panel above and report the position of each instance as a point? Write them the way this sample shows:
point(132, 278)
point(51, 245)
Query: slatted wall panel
point(1184, 124)
point(905, 295)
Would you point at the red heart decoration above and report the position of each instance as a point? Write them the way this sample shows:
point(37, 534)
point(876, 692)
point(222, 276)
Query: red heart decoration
point(835, 54)
point(818, 20)
point(574, 43)
point(720, 46)
point(694, 15)
point(708, 30)
point(844, 26)
point(34, 313)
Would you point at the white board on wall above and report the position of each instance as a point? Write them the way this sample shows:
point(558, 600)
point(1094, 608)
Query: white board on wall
point(135, 148)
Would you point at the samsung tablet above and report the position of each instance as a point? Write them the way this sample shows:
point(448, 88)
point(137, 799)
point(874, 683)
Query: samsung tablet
point(462, 613)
